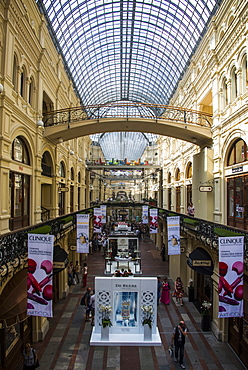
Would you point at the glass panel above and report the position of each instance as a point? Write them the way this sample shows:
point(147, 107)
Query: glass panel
point(12, 336)
point(128, 50)
point(26, 196)
point(17, 146)
point(240, 151)
point(18, 195)
point(239, 197)
point(61, 170)
point(231, 159)
point(230, 198)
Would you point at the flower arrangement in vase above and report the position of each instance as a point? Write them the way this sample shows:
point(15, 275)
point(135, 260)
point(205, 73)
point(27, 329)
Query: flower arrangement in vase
point(191, 283)
point(205, 308)
point(148, 313)
point(105, 310)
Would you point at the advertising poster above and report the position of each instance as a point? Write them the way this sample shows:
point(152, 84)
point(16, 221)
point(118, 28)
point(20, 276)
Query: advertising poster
point(145, 214)
point(82, 233)
point(231, 271)
point(97, 220)
point(173, 229)
point(40, 275)
point(104, 213)
point(153, 221)
point(125, 309)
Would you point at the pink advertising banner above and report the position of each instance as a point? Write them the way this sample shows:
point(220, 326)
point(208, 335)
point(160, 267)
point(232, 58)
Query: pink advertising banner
point(97, 220)
point(40, 275)
point(153, 221)
point(231, 272)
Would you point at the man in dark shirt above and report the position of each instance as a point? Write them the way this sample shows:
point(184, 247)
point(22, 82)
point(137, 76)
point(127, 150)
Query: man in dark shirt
point(178, 337)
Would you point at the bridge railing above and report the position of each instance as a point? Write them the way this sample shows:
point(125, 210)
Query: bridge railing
point(127, 110)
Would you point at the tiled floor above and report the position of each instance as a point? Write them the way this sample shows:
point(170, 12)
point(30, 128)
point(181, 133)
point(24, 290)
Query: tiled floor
point(66, 345)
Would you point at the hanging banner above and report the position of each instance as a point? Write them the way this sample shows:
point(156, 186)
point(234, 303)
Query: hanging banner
point(173, 228)
point(104, 213)
point(153, 221)
point(40, 275)
point(231, 270)
point(82, 233)
point(97, 220)
point(145, 214)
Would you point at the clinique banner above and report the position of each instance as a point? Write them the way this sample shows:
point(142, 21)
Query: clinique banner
point(40, 275)
point(82, 233)
point(173, 229)
point(231, 271)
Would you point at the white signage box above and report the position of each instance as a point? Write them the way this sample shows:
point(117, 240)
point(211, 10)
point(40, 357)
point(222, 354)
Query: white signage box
point(126, 296)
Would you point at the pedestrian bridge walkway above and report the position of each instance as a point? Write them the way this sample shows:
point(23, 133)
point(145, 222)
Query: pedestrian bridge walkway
point(67, 344)
point(185, 124)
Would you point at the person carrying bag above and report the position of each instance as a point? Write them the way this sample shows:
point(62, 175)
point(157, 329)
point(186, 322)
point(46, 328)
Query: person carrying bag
point(30, 358)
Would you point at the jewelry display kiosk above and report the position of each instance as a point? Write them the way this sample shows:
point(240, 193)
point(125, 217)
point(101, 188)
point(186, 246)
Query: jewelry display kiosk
point(125, 300)
point(123, 252)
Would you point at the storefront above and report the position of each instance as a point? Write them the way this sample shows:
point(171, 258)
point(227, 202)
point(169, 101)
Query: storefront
point(201, 262)
point(15, 327)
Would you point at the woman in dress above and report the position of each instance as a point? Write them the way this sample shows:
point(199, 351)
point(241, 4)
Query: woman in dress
point(85, 274)
point(165, 297)
point(179, 290)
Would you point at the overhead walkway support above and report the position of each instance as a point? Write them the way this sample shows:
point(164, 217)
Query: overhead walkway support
point(185, 124)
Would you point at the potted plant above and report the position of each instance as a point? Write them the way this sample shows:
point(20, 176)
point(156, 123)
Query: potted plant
point(147, 322)
point(206, 317)
point(106, 321)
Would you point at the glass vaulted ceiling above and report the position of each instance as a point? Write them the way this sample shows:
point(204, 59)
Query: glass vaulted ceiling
point(127, 50)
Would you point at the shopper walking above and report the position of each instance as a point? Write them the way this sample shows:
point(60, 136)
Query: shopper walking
point(165, 296)
point(76, 272)
point(178, 339)
point(30, 359)
point(85, 274)
point(191, 209)
point(159, 287)
point(87, 297)
point(92, 305)
point(178, 292)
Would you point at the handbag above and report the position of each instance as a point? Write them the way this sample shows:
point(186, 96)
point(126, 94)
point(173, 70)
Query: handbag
point(37, 364)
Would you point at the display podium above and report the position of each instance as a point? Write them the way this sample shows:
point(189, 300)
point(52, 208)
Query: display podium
point(127, 297)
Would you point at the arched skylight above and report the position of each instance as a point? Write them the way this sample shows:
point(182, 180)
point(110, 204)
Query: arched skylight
point(128, 50)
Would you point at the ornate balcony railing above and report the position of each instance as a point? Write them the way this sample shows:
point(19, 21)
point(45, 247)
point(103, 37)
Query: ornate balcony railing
point(128, 110)
point(13, 246)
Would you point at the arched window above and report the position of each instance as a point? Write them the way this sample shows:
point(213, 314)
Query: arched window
point(225, 95)
point(46, 164)
point(244, 74)
point(14, 73)
point(62, 170)
point(237, 153)
point(234, 91)
point(177, 174)
point(169, 178)
point(19, 151)
point(221, 35)
point(72, 174)
point(23, 83)
point(31, 92)
point(79, 177)
point(189, 171)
